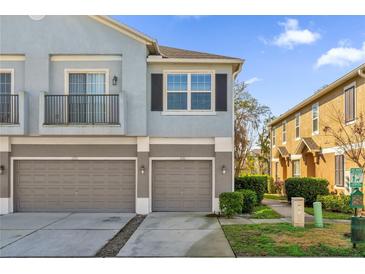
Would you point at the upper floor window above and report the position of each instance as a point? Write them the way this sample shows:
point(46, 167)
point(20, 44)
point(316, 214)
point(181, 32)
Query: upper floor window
point(297, 126)
point(315, 119)
point(284, 132)
point(189, 91)
point(273, 132)
point(6, 81)
point(86, 83)
point(350, 103)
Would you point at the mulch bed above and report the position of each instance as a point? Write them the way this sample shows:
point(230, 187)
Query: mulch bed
point(112, 248)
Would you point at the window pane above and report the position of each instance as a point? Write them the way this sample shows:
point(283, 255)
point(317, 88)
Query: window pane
point(177, 82)
point(201, 82)
point(177, 100)
point(77, 83)
point(315, 125)
point(200, 100)
point(5, 83)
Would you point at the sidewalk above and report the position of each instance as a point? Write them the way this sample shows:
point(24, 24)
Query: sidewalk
point(284, 209)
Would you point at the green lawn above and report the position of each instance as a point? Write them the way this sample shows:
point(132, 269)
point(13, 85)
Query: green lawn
point(329, 214)
point(275, 197)
point(284, 240)
point(264, 212)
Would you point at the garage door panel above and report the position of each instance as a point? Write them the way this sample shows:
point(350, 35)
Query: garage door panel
point(68, 185)
point(181, 185)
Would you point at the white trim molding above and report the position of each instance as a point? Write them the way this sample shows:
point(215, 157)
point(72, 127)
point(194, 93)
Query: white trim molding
point(223, 144)
point(181, 159)
point(181, 141)
point(14, 57)
point(12, 159)
point(294, 157)
point(275, 160)
point(5, 144)
point(73, 140)
point(158, 59)
point(89, 58)
point(143, 144)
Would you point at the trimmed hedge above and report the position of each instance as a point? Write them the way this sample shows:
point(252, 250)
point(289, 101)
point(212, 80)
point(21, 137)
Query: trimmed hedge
point(257, 183)
point(249, 200)
point(336, 203)
point(306, 187)
point(230, 203)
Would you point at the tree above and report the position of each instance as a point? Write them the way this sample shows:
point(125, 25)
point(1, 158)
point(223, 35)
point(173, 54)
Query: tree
point(264, 143)
point(350, 138)
point(249, 114)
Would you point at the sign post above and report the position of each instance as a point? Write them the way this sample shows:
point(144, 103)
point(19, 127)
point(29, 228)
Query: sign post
point(356, 201)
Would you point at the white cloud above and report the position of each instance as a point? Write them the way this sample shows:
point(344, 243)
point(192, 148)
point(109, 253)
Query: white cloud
point(293, 35)
point(252, 80)
point(342, 56)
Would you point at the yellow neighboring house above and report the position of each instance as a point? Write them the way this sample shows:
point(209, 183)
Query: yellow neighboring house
point(301, 148)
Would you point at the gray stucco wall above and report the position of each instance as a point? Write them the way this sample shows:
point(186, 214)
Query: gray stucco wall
point(219, 125)
point(53, 35)
point(5, 177)
point(18, 67)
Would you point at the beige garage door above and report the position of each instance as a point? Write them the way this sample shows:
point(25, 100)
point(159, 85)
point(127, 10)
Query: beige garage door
point(182, 186)
point(78, 186)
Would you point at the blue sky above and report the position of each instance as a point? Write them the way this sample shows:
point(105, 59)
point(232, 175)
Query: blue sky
point(287, 58)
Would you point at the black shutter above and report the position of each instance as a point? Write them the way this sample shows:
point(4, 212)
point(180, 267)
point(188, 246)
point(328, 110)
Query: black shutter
point(221, 92)
point(156, 92)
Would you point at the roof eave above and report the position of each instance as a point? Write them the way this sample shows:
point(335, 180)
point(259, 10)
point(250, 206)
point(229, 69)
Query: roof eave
point(319, 94)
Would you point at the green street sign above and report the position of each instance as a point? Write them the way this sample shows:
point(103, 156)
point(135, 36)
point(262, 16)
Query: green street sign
point(357, 199)
point(356, 185)
point(356, 175)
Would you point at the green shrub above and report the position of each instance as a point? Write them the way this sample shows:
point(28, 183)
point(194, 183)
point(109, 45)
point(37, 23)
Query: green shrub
point(270, 185)
point(308, 188)
point(230, 203)
point(257, 183)
point(336, 203)
point(249, 200)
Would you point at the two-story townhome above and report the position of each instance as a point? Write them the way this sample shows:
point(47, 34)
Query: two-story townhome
point(300, 144)
point(98, 117)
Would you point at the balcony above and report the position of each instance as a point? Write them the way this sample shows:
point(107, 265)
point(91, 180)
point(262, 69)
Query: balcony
point(96, 114)
point(12, 111)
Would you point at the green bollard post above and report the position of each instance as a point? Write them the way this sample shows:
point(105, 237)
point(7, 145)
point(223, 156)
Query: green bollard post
point(318, 220)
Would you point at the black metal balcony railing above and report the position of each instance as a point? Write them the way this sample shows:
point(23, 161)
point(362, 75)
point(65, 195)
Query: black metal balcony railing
point(81, 109)
point(9, 109)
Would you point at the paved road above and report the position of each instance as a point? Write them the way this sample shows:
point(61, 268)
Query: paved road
point(178, 235)
point(58, 234)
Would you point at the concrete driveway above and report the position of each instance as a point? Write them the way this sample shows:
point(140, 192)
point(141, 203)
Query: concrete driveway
point(178, 235)
point(58, 234)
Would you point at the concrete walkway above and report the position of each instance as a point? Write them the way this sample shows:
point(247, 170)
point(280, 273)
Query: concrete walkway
point(284, 209)
point(178, 235)
point(58, 234)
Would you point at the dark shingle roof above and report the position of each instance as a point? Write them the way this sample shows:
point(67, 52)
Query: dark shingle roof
point(170, 52)
point(283, 152)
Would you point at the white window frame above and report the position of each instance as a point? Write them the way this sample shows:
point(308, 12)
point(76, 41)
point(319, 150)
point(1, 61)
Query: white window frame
point(297, 117)
point(189, 111)
point(352, 85)
point(317, 106)
point(12, 75)
point(283, 134)
point(296, 174)
point(82, 70)
point(273, 138)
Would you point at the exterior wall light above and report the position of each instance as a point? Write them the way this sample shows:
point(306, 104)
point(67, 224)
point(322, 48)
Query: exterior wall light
point(224, 170)
point(2, 168)
point(115, 80)
point(142, 170)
